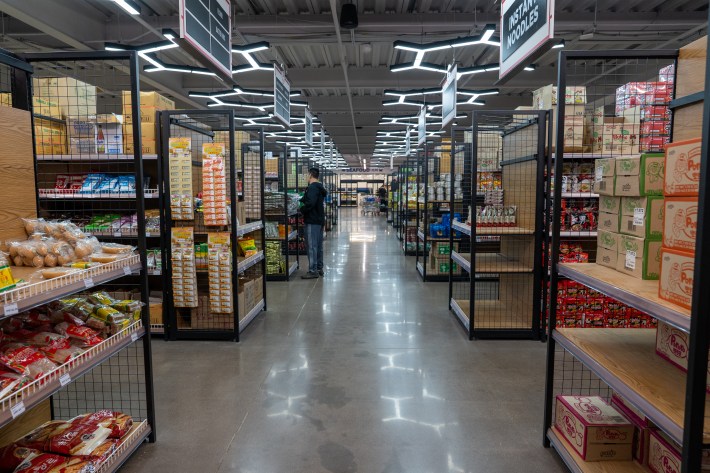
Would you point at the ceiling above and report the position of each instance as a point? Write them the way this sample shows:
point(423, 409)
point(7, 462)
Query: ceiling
point(303, 37)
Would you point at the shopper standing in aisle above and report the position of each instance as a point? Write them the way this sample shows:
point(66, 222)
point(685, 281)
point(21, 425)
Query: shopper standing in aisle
point(313, 212)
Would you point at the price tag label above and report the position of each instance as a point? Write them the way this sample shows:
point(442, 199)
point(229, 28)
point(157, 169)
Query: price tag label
point(17, 410)
point(639, 216)
point(89, 283)
point(64, 379)
point(127, 270)
point(134, 336)
point(117, 234)
point(11, 309)
point(630, 260)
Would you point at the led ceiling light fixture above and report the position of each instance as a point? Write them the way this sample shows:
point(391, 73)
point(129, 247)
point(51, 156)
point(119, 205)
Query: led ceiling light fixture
point(246, 50)
point(129, 6)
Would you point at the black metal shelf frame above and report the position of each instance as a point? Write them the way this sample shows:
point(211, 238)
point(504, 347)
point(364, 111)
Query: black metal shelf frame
point(132, 358)
point(582, 68)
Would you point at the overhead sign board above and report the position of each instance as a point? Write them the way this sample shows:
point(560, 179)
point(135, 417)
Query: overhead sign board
point(408, 143)
point(330, 156)
point(282, 97)
point(322, 142)
point(526, 26)
point(421, 129)
point(448, 96)
point(309, 128)
point(206, 33)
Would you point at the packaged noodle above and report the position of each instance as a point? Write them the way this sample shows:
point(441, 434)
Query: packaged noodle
point(37, 439)
point(26, 360)
point(81, 336)
point(11, 382)
point(43, 462)
point(247, 247)
point(76, 439)
point(12, 456)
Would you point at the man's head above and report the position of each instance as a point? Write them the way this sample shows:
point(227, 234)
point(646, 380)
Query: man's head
point(313, 174)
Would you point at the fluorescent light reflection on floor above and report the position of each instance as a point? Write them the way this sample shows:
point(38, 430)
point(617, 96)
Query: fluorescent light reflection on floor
point(363, 237)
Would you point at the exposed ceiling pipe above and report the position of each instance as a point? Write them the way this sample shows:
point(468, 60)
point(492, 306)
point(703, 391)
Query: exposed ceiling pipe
point(341, 48)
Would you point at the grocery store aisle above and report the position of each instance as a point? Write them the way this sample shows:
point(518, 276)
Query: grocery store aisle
point(361, 371)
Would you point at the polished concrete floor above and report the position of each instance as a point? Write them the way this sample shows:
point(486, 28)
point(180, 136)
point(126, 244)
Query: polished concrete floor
point(364, 370)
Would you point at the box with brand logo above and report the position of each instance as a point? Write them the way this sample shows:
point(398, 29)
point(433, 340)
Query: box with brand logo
point(609, 204)
point(683, 165)
point(607, 257)
point(608, 222)
point(672, 345)
point(641, 426)
point(604, 171)
point(680, 223)
point(663, 456)
point(76, 99)
point(147, 99)
point(608, 240)
point(642, 216)
point(593, 428)
point(677, 269)
point(622, 138)
point(545, 97)
point(639, 175)
point(639, 257)
point(109, 134)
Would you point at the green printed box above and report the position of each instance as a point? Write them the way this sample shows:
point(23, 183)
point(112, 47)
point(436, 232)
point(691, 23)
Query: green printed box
point(608, 240)
point(642, 217)
point(640, 175)
point(639, 257)
point(609, 204)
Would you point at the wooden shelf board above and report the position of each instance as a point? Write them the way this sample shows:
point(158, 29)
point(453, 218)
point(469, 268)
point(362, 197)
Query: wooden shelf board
point(503, 231)
point(575, 463)
point(497, 315)
point(626, 360)
point(642, 295)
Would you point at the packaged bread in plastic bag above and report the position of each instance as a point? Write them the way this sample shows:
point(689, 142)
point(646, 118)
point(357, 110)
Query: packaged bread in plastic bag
point(26, 360)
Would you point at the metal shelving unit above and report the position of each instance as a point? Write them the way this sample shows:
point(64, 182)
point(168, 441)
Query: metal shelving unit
point(599, 361)
point(123, 360)
point(280, 214)
point(211, 290)
point(409, 222)
point(501, 249)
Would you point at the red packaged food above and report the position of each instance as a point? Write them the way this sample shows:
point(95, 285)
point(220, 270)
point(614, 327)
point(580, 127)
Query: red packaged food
point(11, 382)
point(26, 360)
point(35, 318)
point(653, 143)
point(37, 439)
point(41, 463)
point(594, 321)
point(573, 289)
point(77, 439)
point(594, 306)
point(102, 452)
point(83, 335)
point(11, 456)
point(615, 321)
point(62, 181)
point(10, 325)
point(650, 112)
point(80, 464)
point(117, 422)
point(656, 127)
point(62, 353)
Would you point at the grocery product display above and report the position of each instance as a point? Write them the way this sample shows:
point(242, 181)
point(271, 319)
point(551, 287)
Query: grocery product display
point(281, 214)
point(411, 187)
point(643, 270)
point(215, 256)
point(502, 296)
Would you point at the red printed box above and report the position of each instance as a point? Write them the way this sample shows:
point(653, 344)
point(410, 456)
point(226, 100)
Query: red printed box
point(663, 456)
point(682, 168)
point(680, 223)
point(593, 428)
point(676, 281)
point(640, 423)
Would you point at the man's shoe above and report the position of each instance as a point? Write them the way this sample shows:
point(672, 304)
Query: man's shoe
point(310, 275)
point(320, 272)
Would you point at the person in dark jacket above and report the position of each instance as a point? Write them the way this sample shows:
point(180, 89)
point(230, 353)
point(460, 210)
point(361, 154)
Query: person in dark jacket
point(314, 217)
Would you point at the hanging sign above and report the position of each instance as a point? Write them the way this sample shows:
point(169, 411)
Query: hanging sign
point(448, 96)
point(282, 97)
point(391, 161)
point(322, 142)
point(408, 143)
point(206, 33)
point(330, 156)
point(421, 138)
point(526, 28)
point(309, 128)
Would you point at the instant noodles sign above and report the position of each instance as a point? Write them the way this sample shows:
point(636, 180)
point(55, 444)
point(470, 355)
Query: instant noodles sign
point(526, 26)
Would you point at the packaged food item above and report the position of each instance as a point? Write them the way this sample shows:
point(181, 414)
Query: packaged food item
point(680, 223)
point(82, 336)
point(37, 439)
point(26, 360)
point(76, 439)
point(683, 168)
point(676, 280)
point(663, 454)
point(43, 462)
point(11, 382)
point(113, 248)
point(640, 175)
point(593, 428)
point(101, 453)
point(12, 456)
point(118, 423)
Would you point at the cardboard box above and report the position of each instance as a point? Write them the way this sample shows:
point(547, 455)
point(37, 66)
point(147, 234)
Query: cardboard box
point(44, 106)
point(75, 98)
point(663, 456)
point(147, 115)
point(619, 138)
point(605, 186)
point(638, 257)
point(593, 428)
point(608, 222)
point(683, 165)
point(609, 204)
point(606, 257)
point(677, 268)
point(109, 134)
point(680, 223)
point(608, 240)
point(148, 99)
point(5, 99)
point(147, 146)
point(574, 128)
point(156, 313)
point(50, 137)
point(639, 175)
point(672, 345)
point(148, 131)
point(604, 167)
point(545, 97)
point(642, 216)
point(641, 427)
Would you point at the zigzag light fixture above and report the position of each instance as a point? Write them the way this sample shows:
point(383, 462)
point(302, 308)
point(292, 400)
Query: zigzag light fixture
point(404, 94)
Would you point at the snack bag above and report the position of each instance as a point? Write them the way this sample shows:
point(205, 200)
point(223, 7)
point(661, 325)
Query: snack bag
point(247, 247)
point(26, 360)
point(84, 337)
point(77, 439)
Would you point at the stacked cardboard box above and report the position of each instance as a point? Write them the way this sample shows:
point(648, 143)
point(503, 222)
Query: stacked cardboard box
point(616, 135)
point(440, 259)
point(150, 104)
point(575, 127)
point(630, 214)
point(75, 98)
point(681, 187)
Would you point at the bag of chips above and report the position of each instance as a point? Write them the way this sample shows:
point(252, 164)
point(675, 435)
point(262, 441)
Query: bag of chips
point(247, 247)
